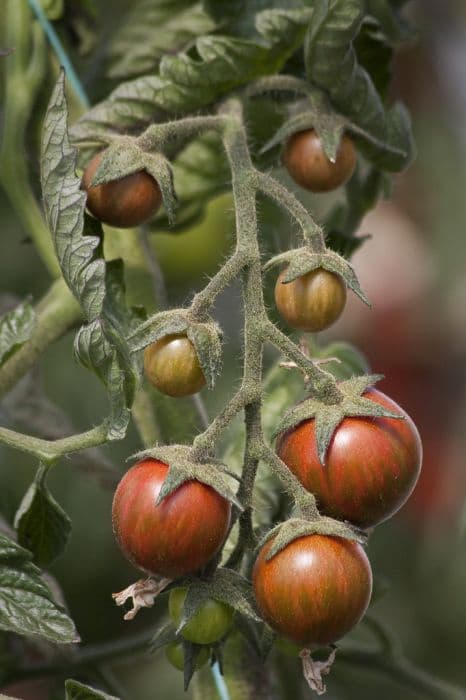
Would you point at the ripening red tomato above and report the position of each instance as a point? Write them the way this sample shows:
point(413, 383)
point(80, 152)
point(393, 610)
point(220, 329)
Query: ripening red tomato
point(314, 590)
point(311, 302)
point(176, 537)
point(172, 366)
point(130, 201)
point(307, 163)
point(371, 466)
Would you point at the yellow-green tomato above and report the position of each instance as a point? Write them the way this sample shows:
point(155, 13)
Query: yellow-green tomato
point(172, 366)
point(311, 302)
point(175, 655)
point(211, 622)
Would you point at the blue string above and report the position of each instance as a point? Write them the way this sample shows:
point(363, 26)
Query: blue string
point(61, 53)
point(220, 682)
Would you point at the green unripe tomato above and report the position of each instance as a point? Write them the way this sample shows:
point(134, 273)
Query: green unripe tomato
point(175, 655)
point(172, 366)
point(208, 625)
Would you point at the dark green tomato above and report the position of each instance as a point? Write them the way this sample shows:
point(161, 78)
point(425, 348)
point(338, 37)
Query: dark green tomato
point(311, 302)
point(124, 203)
point(175, 655)
point(307, 163)
point(212, 621)
point(371, 466)
point(315, 590)
point(172, 366)
point(175, 537)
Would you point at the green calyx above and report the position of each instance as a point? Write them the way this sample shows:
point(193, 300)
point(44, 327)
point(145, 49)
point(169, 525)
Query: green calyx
point(300, 261)
point(328, 416)
point(293, 529)
point(183, 467)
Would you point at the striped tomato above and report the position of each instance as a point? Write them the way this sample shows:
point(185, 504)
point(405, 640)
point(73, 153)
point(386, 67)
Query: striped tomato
point(371, 466)
point(314, 590)
point(175, 537)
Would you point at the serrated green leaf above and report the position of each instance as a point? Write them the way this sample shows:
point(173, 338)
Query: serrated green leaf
point(42, 525)
point(206, 338)
point(214, 66)
point(78, 691)
point(135, 49)
point(99, 345)
point(26, 604)
point(64, 204)
point(331, 64)
point(16, 327)
point(10, 550)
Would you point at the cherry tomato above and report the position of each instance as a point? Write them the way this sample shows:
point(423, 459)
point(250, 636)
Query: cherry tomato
point(175, 655)
point(124, 203)
point(371, 466)
point(172, 366)
point(176, 537)
point(311, 302)
point(314, 590)
point(305, 159)
point(208, 625)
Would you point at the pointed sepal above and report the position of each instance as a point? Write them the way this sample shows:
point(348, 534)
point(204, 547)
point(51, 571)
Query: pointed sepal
point(329, 416)
point(294, 528)
point(183, 467)
point(300, 261)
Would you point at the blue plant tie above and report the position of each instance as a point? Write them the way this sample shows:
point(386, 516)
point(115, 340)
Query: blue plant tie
point(220, 682)
point(62, 56)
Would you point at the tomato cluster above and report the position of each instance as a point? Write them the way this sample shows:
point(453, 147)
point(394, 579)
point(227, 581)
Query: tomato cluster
point(314, 589)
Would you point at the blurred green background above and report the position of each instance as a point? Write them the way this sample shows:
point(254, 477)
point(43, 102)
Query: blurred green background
point(414, 271)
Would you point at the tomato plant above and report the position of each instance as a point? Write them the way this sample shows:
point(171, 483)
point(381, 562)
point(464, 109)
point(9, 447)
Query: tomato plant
point(129, 201)
point(172, 366)
point(314, 590)
point(175, 537)
point(193, 114)
point(305, 159)
point(211, 622)
point(311, 302)
point(371, 467)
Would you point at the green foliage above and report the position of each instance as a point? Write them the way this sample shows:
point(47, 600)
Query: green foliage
point(26, 603)
point(136, 49)
point(16, 327)
point(100, 344)
point(42, 525)
point(78, 691)
point(189, 81)
point(332, 64)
